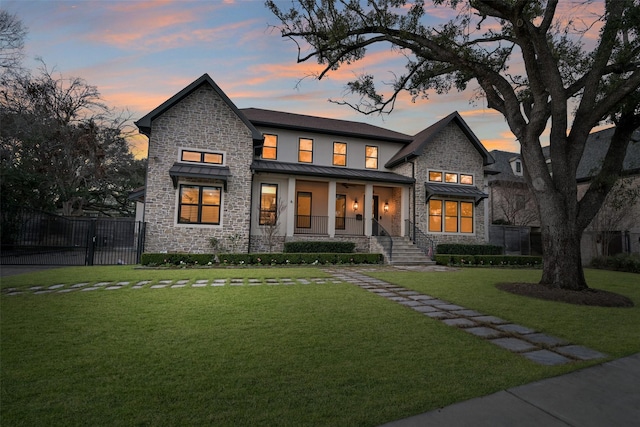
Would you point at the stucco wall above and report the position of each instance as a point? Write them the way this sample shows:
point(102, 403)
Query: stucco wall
point(204, 121)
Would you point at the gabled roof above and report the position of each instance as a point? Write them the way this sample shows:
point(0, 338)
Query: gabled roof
point(144, 124)
point(282, 120)
point(501, 169)
point(422, 139)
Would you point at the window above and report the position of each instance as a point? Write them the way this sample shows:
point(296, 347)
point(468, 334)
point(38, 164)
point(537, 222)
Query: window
point(466, 179)
point(341, 211)
point(435, 215)
point(520, 201)
point(270, 147)
point(457, 217)
point(435, 176)
point(339, 154)
point(451, 178)
point(371, 157)
point(518, 167)
point(305, 150)
point(199, 205)
point(201, 157)
point(268, 204)
point(303, 213)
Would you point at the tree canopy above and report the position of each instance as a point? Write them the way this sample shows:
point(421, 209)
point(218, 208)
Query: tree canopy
point(542, 70)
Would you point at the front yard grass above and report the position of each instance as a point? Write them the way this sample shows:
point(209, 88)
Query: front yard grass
point(318, 354)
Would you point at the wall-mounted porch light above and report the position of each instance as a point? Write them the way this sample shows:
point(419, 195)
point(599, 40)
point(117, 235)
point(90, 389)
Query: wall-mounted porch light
point(386, 206)
point(355, 205)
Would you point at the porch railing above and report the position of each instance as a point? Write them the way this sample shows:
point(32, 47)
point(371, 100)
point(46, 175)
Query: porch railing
point(383, 237)
point(311, 224)
point(421, 240)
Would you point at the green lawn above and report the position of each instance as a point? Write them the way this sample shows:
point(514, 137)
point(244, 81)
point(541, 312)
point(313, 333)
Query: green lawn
point(319, 354)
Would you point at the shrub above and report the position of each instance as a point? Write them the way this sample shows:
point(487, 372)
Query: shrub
point(620, 262)
point(489, 260)
point(460, 249)
point(154, 260)
point(319, 247)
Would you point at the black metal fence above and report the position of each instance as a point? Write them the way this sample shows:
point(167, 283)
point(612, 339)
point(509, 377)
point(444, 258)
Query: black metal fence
point(38, 238)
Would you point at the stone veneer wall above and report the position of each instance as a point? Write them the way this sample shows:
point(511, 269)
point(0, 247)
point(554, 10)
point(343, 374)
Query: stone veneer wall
point(202, 120)
point(450, 151)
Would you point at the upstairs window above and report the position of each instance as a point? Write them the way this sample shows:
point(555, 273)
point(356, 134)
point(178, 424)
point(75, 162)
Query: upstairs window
point(270, 147)
point(371, 157)
point(199, 205)
point(339, 154)
point(451, 177)
point(305, 150)
point(193, 156)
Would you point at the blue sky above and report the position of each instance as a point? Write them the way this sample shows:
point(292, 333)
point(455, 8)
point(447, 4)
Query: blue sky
point(140, 53)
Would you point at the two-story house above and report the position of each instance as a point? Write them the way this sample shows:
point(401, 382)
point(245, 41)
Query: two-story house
point(254, 178)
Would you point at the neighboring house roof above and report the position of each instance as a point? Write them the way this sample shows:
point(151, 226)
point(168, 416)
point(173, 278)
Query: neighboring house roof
point(328, 171)
point(501, 170)
point(422, 139)
point(594, 152)
point(144, 124)
point(282, 120)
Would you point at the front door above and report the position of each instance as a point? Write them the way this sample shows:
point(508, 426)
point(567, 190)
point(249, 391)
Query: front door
point(374, 225)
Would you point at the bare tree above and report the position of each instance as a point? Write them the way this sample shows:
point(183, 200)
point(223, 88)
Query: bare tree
point(513, 203)
point(270, 221)
point(12, 34)
point(530, 66)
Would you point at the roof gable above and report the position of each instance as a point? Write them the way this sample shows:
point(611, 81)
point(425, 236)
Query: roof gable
point(144, 124)
point(422, 139)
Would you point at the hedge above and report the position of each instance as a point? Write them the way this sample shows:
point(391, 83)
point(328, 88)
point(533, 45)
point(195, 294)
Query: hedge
point(319, 247)
point(152, 259)
point(620, 262)
point(489, 260)
point(460, 249)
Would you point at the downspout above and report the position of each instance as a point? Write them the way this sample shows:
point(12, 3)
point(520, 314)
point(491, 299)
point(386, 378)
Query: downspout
point(413, 175)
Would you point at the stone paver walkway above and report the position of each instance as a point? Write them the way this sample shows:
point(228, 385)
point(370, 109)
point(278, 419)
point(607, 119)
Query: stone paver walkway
point(535, 346)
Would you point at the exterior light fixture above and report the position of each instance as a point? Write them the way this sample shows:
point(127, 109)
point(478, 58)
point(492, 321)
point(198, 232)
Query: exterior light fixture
point(355, 205)
point(386, 207)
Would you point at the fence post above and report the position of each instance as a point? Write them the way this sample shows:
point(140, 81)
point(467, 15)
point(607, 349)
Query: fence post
point(91, 242)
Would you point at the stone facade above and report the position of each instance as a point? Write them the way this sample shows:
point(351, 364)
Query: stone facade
point(449, 151)
point(202, 120)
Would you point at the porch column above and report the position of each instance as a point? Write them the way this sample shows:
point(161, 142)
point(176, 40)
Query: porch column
point(331, 209)
point(368, 208)
point(291, 206)
point(404, 210)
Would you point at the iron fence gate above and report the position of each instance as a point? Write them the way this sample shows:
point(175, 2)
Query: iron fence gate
point(38, 238)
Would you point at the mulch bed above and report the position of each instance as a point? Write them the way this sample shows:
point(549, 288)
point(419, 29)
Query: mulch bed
point(595, 297)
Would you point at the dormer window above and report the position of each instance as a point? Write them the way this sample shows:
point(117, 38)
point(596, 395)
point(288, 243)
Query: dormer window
point(516, 166)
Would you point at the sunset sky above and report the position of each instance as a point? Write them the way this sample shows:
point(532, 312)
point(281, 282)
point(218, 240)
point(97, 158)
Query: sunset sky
point(141, 53)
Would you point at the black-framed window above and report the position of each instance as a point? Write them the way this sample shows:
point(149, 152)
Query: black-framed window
point(199, 204)
point(193, 156)
point(270, 147)
point(339, 154)
point(371, 157)
point(268, 204)
point(451, 215)
point(305, 150)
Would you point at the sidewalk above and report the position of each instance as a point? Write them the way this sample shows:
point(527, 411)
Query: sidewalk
point(602, 395)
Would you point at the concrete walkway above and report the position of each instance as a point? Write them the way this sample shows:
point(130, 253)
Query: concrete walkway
point(535, 346)
point(599, 396)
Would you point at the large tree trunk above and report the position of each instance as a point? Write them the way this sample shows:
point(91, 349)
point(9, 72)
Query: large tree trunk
point(562, 262)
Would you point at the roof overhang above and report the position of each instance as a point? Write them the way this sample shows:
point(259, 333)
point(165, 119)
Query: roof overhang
point(453, 190)
point(220, 173)
point(329, 172)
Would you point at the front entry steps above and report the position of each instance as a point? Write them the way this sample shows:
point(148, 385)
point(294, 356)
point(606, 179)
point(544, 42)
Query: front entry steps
point(405, 252)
